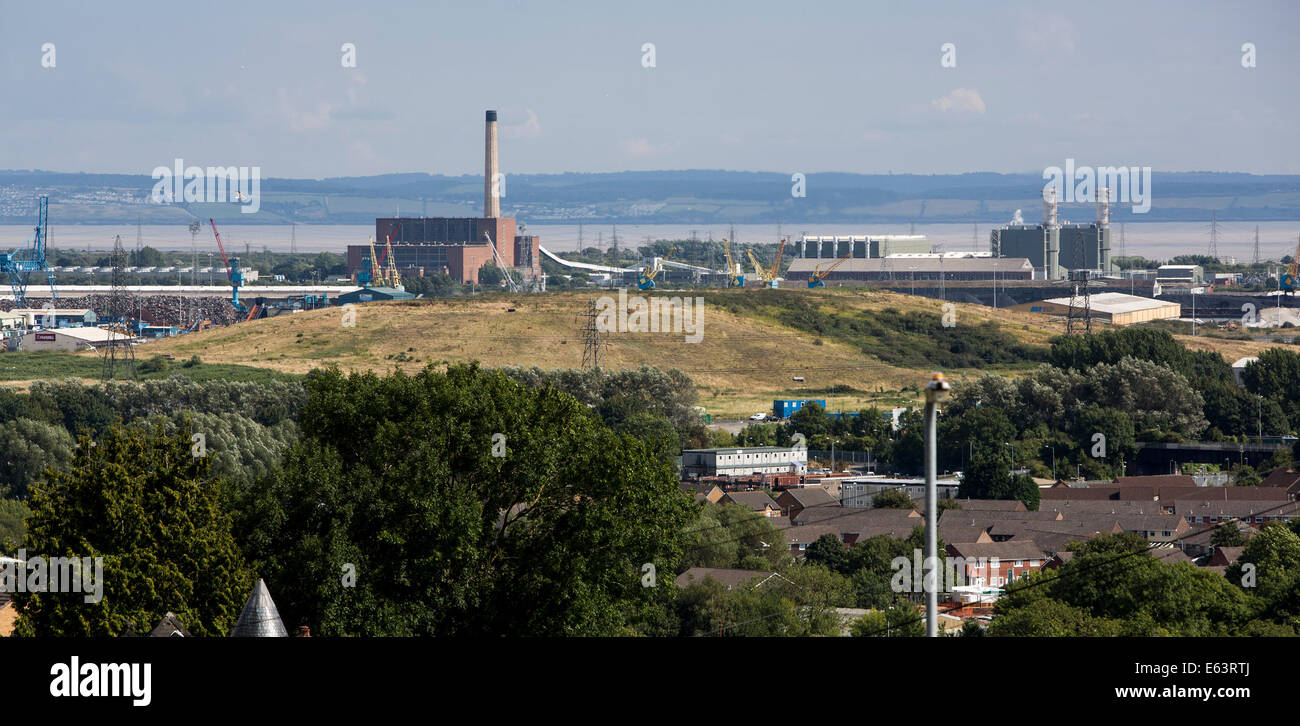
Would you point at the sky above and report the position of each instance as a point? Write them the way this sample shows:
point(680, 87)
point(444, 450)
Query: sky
point(809, 86)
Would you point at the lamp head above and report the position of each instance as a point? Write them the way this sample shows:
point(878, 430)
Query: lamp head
point(937, 389)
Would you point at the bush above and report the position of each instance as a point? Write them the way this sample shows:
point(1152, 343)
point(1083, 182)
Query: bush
point(156, 364)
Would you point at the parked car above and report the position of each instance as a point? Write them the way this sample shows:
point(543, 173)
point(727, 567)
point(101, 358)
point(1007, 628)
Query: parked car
point(758, 417)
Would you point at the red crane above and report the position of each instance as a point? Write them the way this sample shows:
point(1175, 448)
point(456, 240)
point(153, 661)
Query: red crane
point(232, 273)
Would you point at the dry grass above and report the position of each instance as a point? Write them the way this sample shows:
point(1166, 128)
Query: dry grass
point(742, 363)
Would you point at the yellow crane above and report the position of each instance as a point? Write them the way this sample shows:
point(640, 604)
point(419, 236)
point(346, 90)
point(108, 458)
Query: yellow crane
point(759, 272)
point(392, 278)
point(646, 280)
point(819, 275)
point(735, 276)
point(775, 273)
point(769, 275)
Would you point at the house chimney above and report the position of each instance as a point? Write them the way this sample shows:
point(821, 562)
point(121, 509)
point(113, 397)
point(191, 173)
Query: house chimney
point(491, 202)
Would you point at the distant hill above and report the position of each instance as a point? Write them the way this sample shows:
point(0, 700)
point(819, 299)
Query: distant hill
point(650, 197)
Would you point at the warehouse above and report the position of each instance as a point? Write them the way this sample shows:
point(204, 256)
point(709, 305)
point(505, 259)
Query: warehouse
point(917, 268)
point(1115, 308)
point(1192, 274)
point(861, 245)
point(63, 317)
point(373, 294)
point(64, 339)
point(748, 460)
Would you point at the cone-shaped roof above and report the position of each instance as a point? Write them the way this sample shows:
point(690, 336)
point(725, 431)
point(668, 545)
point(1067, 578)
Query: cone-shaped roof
point(259, 619)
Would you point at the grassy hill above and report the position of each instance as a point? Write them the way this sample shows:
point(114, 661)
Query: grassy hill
point(853, 347)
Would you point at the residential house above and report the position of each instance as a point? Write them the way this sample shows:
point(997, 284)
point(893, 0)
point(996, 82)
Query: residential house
point(1254, 512)
point(1224, 556)
point(755, 501)
point(997, 563)
point(794, 501)
point(1284, 479)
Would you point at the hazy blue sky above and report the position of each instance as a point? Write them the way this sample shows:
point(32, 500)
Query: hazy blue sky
point(775, 86)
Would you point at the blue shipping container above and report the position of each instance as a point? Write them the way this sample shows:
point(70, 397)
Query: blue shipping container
point(783, 407)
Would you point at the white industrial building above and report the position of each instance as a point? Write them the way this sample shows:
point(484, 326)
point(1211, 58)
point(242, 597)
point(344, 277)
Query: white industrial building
point(744, 461)
point(1116, 308)
point(858, 492)
point(65, 339)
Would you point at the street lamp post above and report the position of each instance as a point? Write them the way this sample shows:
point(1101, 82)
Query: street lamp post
point(937, 390)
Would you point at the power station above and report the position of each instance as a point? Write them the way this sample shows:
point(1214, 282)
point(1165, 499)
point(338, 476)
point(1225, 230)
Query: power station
point(458, 246)
point(1054, 249)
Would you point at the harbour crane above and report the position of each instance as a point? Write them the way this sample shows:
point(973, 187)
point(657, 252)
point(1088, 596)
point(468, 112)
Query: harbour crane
point(233, 273)
point(370, 268)
point(388, 275)
point(759, 272)
point(646, 279)
point(818, 276)
point(19, 264)
point(735, 276)
point(1291, 278)
point(774, 275)
point(391, 276)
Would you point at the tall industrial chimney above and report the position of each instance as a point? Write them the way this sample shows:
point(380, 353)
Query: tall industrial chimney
point(491, 192)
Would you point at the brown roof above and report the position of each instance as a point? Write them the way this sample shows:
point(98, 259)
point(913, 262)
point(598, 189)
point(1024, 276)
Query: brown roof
point(1231, 494)
point(170, 626)
point(1228, 555)
point(1159, 480)
point(994, 515)
point(986, 505)
point(809, 534)
point(1079, 493)
point(1283, 478)
point(834, 512)
point(810, 496)
point(1169, 554)
point(1012, 550)
point(1069, 507)
point(757, 501)
point(1242, 508)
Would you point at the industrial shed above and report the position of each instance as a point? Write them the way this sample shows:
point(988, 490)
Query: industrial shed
point(916, 268)
point(66, 339)
point(1115, 308)
point(372, 294)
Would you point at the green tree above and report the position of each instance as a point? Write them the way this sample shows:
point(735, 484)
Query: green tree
point(397, 476)
point(892, 499)
point(27, 448)
point(13, 524)
point(893, 622)
point(137, 498)
point(489, 275)
point(827, 551)
point(1227, 535)
point(985, 477)
point(973, 432)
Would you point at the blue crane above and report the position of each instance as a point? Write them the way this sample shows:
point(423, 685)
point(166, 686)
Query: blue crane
point(19, 264)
